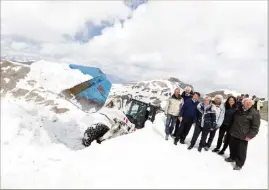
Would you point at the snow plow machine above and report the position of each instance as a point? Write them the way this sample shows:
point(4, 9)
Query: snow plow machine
point(137, 113)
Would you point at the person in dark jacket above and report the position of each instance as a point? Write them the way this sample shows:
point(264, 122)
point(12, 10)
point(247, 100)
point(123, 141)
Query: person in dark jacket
point(187, 117)
point(239, 101)
point(205, 122)
point(230, 108)
point(220, 112)
point(245, 127)
point(187, 94)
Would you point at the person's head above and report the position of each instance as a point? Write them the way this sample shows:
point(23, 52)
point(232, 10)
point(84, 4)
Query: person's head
point(196, 96)
point(253, 97)
point(246, 96)
point(230, 102)
point(247, 103)
point(238, 97)
point(242, 96)
point(218, 99)
point(177, 92)
point(207, 100)
point(188, 90)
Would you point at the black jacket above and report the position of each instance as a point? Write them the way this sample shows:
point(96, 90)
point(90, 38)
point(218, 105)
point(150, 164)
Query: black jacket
point(228, 117)
point(245, 123)
point(206, 117)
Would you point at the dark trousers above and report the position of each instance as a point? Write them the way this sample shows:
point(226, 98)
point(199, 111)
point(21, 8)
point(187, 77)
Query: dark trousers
point(196, 134)
point(184, 129)
point(226, 141)
point(176, 127)
point(170, 123)
point(238, 150)
point(222, 132)
point(211, 138)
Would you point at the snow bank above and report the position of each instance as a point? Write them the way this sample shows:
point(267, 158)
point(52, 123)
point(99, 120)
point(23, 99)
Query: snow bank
point(54, 77)
point(42, 150)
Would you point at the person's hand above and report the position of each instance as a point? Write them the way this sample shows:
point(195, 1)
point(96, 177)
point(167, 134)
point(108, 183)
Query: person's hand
point(247, 138)
point(211, 129)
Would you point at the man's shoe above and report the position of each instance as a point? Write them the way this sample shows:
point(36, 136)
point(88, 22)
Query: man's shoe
point(190, 147)
point(215, 150)
point(237, 168)
point(229, 159)
point(206, 148)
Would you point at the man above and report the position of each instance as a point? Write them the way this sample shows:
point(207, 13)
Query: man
point(187, 94)
point(172, 111)
point(239, 101)
point(245, 127)
point(219, 108)
point(205, 122)
point(187, 116)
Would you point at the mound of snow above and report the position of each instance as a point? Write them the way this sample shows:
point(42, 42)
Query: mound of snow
point(42, 150)
point(54, 77)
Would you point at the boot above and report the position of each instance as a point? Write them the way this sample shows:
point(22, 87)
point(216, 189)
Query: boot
point(190, 147)
point(199, 148)
point(237, 168)
point(229, 159)
point(221, 152)
point(182, 142)
point(175, 142)
point(206, 148)
point(215, 150)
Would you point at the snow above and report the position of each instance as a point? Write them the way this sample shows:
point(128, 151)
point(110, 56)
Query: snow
point(232, 92)
point(53, 77)
point(6, 80)
point(41, 149)
point(5, 68)
point(16, 68)
point(152, 88)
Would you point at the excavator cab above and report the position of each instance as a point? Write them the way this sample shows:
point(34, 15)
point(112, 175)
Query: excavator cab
point(139, 112)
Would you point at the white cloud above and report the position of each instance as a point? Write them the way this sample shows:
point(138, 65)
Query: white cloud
point(49, 20)
point(218, 44)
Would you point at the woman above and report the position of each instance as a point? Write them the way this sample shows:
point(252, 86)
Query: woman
point(205, 122)
point(230, 108)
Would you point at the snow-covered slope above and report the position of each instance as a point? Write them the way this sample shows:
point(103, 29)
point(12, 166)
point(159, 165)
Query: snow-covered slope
point(40, 149)
point(41, 82)
point(153, 91)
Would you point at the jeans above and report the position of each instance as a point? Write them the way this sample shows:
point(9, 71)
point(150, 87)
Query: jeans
point(170, 123)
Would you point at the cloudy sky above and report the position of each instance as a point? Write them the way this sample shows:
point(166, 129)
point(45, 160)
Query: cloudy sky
point(211, 45)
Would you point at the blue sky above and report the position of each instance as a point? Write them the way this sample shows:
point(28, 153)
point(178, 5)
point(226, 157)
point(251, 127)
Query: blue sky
point(91, 30)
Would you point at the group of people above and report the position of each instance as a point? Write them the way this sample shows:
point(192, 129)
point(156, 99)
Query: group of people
point(237, 119)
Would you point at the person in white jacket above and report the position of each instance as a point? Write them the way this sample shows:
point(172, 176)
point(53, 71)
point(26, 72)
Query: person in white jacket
point(172, 110)
point(220, 112)
point(256, 103)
